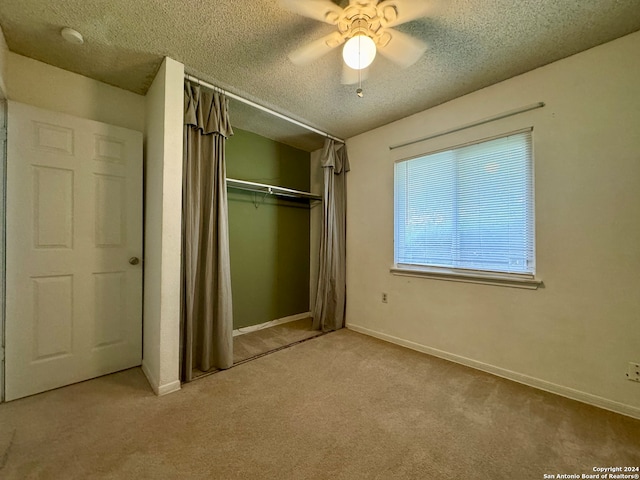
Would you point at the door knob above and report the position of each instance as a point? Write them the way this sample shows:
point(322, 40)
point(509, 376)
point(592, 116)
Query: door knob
point(134, 260)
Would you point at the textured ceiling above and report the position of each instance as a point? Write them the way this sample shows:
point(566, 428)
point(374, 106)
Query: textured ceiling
point(243, 45)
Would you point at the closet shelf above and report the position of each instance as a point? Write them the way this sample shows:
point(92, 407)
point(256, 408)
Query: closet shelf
point(270, 189)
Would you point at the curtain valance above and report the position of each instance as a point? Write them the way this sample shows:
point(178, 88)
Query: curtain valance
point(207, 110)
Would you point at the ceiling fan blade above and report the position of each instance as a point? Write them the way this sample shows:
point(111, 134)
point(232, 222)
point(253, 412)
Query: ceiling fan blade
point(400, 48)
point(322, 10)
point(316, 49)
point(396, 12)
point(350, 75)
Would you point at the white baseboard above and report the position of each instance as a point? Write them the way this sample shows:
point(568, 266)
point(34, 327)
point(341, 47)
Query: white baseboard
point(168, 388)
point(158, 389)
point(272, 323)
point(561, 390)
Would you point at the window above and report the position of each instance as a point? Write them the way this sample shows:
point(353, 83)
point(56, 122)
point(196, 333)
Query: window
point(467, 211)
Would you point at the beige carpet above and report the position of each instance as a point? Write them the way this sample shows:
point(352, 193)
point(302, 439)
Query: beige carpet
point(253, 344)
point(341, 406)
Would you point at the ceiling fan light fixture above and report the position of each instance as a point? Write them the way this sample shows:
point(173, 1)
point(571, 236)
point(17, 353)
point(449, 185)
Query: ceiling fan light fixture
point(359, 51)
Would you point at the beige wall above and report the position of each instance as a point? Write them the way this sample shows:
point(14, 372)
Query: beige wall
point(163, 200)
point(41, 85)
point(576, 335)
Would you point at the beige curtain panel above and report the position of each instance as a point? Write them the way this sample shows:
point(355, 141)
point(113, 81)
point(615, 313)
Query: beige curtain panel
point(329, 310)
point(207, 321)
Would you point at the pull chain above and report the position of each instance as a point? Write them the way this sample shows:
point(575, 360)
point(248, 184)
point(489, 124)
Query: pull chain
point(359, 91)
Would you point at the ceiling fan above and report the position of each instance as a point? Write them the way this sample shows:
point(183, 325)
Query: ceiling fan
point(365, 27)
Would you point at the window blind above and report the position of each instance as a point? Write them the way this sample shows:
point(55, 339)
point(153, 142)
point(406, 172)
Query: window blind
point(469, 208)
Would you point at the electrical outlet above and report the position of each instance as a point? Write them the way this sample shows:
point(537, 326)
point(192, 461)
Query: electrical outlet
point(384, 298)
point(633, 372)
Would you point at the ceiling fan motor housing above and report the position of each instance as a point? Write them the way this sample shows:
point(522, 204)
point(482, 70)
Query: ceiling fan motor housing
point(367, 18)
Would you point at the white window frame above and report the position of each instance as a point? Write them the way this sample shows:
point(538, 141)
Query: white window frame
point(526, 281)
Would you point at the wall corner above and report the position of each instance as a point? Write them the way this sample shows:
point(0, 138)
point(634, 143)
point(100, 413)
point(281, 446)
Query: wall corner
point(163, 220)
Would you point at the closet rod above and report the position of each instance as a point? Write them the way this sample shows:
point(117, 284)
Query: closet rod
point(472, 124)
point(272, 189)
point(264, 109)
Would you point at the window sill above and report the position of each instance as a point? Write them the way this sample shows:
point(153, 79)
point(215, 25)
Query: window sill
point(485, 278)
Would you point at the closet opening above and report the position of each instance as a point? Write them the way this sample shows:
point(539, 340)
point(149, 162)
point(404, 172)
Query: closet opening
point(274, 187)
point(269, 243)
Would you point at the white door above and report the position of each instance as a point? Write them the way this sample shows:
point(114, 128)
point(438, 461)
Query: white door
point(74, 222)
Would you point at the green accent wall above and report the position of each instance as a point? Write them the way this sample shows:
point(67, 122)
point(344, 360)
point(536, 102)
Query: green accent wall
point(268, 236)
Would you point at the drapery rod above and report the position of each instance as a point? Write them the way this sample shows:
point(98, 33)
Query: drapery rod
point(271, 189)
point(472, 124)
point(264, 109)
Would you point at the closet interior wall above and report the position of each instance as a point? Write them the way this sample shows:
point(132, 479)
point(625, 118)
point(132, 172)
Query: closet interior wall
point(269, 235)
